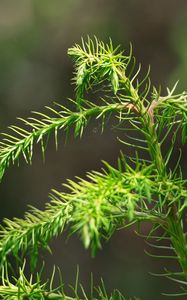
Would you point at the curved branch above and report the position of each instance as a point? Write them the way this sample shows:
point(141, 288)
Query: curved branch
point(20, 143)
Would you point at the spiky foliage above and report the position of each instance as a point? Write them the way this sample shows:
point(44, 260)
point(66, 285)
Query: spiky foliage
point(135, 191)
point(39, 129)
point(23, 288)
point(93, 208)
point(95, 62)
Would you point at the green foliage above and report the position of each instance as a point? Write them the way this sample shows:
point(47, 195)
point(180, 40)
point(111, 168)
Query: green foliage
point(93, 208)
point(23, 288)
point(136, 190)
point(94, 62)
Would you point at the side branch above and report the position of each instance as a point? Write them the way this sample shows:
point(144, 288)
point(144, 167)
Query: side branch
point(93, 209)
point(20, 143)
point(27, 288)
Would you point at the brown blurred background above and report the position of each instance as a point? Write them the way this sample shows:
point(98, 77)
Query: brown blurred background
point(35, 71)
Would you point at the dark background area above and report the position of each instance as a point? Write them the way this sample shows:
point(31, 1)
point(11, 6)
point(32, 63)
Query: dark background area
point(35, 71)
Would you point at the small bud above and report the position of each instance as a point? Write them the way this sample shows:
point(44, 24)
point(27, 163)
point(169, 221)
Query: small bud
point(115, 82)
point(86, 236)
point(81, 73)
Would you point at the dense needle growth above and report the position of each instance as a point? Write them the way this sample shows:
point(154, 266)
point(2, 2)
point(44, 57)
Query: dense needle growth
point(137, 190)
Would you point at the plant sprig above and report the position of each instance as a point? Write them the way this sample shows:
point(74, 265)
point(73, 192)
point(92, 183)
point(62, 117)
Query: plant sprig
point(140, 190)
point(38, 128)
point(94, 208)
point(23, 288)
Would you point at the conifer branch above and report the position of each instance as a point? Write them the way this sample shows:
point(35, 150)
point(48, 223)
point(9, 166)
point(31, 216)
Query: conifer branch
point(93, 208)
point(118, 197)
point(96, 61)
point(23, 288)
point(37, 130)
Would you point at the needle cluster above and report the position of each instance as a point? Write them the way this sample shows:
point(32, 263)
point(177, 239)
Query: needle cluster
point(135, 191)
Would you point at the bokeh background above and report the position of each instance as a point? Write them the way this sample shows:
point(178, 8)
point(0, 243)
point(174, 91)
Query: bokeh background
point(35, 71)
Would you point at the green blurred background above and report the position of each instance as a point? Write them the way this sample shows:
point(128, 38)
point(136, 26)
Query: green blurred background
point(35, 71)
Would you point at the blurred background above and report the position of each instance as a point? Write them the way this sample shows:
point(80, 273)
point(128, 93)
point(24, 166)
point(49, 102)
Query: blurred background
point(35, 71)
